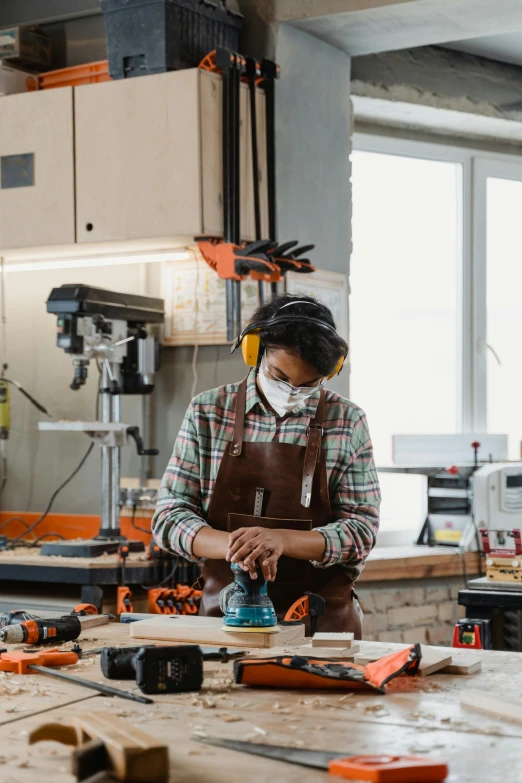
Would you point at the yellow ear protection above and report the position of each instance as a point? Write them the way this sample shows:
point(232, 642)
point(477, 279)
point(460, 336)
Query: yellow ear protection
point(250, 340)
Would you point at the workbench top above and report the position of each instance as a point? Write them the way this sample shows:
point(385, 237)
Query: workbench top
point(417, 715)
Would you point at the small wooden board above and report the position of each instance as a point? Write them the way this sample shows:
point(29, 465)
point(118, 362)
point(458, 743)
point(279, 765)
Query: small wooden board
point(432, 660)
point(338, 640)
point(208, 630)
point(464, 664)
point(497, 706)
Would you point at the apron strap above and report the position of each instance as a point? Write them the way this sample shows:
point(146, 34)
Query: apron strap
point(313, 450)
point(236, 446)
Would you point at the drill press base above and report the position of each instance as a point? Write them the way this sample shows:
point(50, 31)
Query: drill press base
point(88, 547)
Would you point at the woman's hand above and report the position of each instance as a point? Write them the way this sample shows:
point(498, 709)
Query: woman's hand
point(250, 544)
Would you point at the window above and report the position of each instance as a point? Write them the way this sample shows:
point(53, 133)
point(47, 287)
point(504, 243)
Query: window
point(435, 328)
point(404, 308)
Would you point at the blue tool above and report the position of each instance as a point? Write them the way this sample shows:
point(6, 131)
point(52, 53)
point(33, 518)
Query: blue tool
point(246, 603)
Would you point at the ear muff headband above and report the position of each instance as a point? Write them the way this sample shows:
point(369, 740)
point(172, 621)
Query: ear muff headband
point(250, 340)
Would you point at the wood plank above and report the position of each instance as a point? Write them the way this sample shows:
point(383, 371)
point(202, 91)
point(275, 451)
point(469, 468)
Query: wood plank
point(433, 659)
point(489, 704)
point(338, 640)
point(208, 630)
point(394, 563)
point(463, 664)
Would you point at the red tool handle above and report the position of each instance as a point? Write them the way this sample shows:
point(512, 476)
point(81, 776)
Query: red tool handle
point(389, 769)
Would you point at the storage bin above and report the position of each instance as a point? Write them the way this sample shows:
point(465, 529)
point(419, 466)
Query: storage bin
point(153, 36)
point(75, 76)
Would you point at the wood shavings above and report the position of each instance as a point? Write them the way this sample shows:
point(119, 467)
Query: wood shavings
point(231, 718)
point(347, 696)
point(206, 703)
point(379, 709)
point(261, 731)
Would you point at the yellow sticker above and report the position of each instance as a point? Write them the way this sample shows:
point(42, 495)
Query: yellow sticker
point(444, 534)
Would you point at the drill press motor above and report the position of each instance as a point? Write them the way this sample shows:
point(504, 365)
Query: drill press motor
point(245, 603)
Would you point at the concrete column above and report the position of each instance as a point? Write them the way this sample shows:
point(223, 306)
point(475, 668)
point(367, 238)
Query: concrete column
point(313, 130)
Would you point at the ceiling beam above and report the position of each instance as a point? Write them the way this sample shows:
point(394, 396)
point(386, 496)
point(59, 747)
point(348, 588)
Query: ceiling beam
point(369, 26)
point(27, 12)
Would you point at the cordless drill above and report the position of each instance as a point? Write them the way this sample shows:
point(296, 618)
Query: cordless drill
point(33, 630)
point(156, 669)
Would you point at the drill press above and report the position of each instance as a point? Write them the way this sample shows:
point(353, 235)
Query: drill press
point(110, 328)
point(245, 603)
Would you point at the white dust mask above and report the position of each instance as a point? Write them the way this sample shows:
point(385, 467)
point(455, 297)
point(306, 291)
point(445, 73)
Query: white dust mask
point(281, 396)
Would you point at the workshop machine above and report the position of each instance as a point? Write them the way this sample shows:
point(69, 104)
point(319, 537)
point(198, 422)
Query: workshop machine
point(109, 328)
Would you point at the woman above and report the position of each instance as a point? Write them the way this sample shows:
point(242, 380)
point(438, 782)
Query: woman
point(276, 473)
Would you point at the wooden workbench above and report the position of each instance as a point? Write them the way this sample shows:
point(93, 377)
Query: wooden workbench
point(417, 715)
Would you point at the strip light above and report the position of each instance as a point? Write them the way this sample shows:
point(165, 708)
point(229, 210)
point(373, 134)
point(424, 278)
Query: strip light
point(93, 261)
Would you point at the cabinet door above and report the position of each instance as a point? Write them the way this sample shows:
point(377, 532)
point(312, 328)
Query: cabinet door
point(138, 158)
point(37, 169)
point(212, 158)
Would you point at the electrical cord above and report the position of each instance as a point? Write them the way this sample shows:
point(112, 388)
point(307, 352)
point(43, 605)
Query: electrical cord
point(31, 399)
point(133, 522)
point(164, 581)
point(15, 519)
point(55, 494)
point(46, 535)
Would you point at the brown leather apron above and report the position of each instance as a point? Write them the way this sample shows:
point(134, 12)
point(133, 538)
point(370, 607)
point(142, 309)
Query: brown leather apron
point(278, 485)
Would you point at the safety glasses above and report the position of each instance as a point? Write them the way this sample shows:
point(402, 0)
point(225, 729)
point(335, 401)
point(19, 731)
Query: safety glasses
point(293, 391)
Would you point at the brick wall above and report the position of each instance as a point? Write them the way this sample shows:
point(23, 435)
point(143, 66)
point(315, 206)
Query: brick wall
point(420, 610)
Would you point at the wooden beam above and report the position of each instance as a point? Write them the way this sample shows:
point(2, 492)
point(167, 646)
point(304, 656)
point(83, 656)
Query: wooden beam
point(413, 562)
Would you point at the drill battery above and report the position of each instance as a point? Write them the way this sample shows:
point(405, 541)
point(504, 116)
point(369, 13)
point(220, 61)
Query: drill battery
point(156, 669)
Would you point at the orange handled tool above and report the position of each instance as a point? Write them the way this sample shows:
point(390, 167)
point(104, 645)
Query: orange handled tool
point(20, 662)
point(376, 769)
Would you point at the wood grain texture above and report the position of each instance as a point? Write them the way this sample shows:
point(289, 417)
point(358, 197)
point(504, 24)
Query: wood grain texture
point(208, 630)
point(337, 640)
point(492, 704)
point(39, 123)
point(416, 562)
point(463, 664)
point(138, 157)
point(433, 659)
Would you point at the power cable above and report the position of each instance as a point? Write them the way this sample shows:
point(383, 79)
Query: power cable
point(133, 522)
point(164, 581)
point(31, 399)
point(55, 494)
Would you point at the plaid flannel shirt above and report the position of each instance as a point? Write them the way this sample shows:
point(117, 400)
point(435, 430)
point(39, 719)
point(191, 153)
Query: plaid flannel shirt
point(207, 429)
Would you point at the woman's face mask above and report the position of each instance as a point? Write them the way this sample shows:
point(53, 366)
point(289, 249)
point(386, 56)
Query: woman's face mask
point(282, 396)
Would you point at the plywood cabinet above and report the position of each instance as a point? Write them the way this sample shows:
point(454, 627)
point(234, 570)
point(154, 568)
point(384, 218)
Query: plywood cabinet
point(148, 158)
point(211, 97)
point(37, 169)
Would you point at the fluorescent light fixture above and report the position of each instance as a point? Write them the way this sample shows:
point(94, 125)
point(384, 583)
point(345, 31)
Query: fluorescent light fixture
point(92, 261)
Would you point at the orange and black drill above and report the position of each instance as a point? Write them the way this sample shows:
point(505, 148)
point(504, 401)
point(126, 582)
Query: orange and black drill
point(34, 630)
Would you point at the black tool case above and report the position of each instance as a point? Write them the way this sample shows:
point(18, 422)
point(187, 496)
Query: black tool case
point(153, 36)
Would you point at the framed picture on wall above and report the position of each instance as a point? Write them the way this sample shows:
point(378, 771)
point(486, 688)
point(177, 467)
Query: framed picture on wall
point(195, 308)
point(330, 288)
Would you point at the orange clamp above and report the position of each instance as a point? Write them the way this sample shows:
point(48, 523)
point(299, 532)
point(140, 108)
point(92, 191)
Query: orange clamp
point(19, 661)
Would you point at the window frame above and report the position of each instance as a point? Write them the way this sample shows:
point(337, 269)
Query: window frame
point(477, 166)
